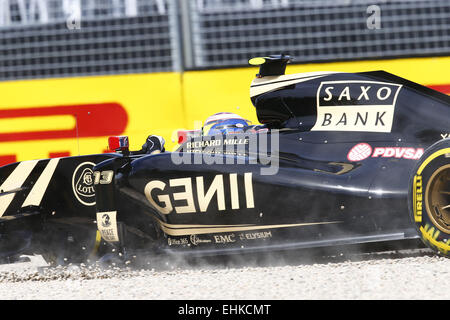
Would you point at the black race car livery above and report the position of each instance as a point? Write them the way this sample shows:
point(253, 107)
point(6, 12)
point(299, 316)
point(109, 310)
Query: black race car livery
point(344, 158)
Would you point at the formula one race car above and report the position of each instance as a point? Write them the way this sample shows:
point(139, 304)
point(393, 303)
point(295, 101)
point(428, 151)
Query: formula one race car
point(347, 158)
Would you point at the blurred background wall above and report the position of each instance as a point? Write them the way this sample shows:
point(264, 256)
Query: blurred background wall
point(73, 72)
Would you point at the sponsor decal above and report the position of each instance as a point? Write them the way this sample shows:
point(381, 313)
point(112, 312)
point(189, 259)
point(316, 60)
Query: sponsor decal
point(183, 201)
point(231, 146)
point(177, 241)
point(255, 235)
point(225, 238)
point(261, 148)
point(417, 198)
point(83, 183)
point(106, 221)
point(359, 152)
point(195, 240)
point(215, 143)
point(430, 236)
point(60, 122)
point(398, 152)
point(362, 151)
point(356, 106)
point(90, 120)
point(107, 225)
point(445, 135)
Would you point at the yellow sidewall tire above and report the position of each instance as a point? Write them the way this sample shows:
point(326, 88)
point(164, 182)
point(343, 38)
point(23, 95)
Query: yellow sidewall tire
point(430, 223)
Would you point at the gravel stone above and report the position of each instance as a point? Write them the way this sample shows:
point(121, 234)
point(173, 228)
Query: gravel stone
point(411, 275)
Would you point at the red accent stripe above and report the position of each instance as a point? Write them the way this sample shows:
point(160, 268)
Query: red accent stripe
point(92, 120)
point(7, 159)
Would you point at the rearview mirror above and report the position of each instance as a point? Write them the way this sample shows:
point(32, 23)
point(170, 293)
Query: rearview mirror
point(118, 143)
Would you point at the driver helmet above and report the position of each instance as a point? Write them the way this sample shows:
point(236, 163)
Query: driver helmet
point(224, 123)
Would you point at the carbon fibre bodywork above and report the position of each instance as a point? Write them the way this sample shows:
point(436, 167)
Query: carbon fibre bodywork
point(338, 156)
point(332, 166)
point(48, 207)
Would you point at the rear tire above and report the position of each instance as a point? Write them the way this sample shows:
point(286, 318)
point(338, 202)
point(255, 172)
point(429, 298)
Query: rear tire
point(429, 197)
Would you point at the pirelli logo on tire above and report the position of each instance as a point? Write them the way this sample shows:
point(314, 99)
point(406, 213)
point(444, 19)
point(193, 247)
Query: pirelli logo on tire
point(417, 198)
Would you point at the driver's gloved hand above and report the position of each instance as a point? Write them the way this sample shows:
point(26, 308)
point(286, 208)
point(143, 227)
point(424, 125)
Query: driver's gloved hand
point(153, 144)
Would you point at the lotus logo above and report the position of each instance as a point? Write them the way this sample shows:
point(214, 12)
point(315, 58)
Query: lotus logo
point(83, 183)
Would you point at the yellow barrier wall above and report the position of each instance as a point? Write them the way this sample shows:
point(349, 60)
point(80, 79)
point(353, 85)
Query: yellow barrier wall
point(34, 112)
